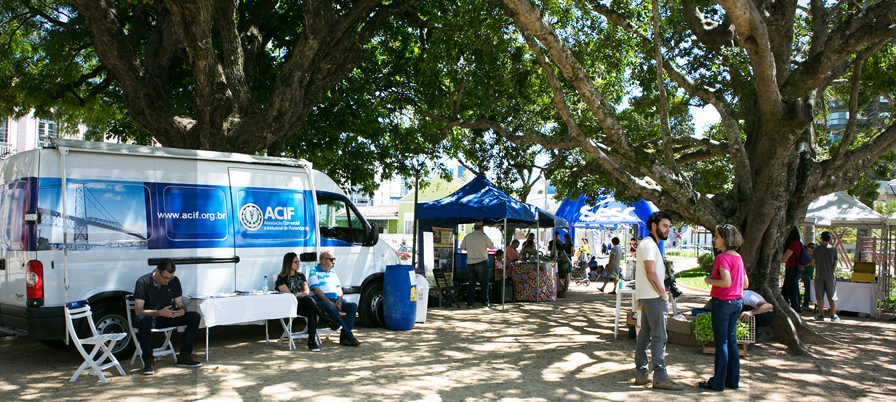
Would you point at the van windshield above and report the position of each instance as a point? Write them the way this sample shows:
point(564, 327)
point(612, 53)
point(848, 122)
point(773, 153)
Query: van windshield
point(338, 220)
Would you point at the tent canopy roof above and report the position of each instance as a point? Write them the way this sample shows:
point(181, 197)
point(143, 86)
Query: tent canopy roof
point(841, 210)
point(478, 200)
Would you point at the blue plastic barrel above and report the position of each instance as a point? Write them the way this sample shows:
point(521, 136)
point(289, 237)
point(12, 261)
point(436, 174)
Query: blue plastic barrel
point(400, 297)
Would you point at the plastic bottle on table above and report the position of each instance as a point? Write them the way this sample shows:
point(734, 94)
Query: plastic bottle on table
point(264, 285)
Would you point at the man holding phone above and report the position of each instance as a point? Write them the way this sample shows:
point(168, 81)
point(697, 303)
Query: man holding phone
point(158, 303)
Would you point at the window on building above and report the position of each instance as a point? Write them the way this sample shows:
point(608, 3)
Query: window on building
point(46, 128)
point(4, 129)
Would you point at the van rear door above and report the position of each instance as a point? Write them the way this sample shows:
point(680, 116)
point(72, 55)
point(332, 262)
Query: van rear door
point(17, 193)
point(273, 213)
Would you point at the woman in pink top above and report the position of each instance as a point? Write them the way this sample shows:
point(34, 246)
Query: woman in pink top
point(728, 280)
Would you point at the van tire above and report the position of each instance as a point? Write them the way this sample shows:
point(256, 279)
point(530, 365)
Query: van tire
point(371, 312)
point(110, 318)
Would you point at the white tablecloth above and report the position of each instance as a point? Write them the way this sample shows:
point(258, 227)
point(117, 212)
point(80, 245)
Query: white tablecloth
point(854, 296)
point(240, 309)
point(243, 309)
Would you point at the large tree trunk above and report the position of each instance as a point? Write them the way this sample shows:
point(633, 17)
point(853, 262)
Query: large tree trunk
point(222, 43)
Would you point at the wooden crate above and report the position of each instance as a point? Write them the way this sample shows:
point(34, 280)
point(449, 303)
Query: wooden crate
point(709, 348)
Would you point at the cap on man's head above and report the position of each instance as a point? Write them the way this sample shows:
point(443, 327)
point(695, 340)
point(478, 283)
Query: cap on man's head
point(478, 225)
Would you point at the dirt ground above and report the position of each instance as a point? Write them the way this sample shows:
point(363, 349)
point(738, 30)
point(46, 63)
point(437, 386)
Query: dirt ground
point(560, 351)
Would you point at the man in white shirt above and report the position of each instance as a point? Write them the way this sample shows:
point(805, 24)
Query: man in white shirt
point(477, 244)
point(755, 305)
point(651, 295)
point(327, 292)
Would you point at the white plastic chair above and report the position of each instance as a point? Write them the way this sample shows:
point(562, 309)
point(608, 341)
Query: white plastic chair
point(105, 342)
point(166, 349)
point(292, 336)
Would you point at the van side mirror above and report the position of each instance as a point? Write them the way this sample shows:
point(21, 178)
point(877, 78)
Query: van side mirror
point(308, 257)
point(373, 235)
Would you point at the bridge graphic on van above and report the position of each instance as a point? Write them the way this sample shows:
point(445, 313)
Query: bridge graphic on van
point(101, 215)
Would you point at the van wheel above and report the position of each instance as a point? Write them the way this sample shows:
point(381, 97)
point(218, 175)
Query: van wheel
point(371, 311)
point(110, 318)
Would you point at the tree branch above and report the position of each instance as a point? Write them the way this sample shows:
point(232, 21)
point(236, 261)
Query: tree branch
point(855, 32)
point(145, 98)
point(710, 33)
point(754, 36)
point(528, 20)
point(663, 104)
point(558, 100)
point(849, 133)
point(696, 156)
point(835, 175)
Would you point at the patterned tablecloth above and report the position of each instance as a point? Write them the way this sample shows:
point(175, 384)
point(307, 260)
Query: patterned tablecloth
point(534, 282)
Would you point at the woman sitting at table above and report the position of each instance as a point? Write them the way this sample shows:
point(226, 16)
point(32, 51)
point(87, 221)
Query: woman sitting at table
point(529, 248)
point(290, 280)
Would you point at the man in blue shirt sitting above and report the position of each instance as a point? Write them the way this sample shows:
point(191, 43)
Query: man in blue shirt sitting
point(327, 292)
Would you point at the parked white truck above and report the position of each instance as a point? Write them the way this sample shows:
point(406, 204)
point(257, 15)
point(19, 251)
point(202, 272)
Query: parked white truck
point(226, 220)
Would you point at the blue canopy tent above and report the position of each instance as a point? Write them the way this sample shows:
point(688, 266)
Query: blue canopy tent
point(607, 213)
point(478, 200)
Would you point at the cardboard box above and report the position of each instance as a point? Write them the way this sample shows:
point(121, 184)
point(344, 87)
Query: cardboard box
point(862, 277)
point(630, 320)
point(682, 332)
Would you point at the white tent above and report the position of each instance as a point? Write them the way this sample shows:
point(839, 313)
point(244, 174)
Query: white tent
point(841, 210)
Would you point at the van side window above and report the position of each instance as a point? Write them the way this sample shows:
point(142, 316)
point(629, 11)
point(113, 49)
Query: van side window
point(12, 208)
point(337, 219)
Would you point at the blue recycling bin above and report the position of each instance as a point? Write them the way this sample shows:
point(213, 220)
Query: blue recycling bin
point(400, 297)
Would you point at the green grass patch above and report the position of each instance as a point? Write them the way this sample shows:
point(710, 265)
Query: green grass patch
point(692, 281)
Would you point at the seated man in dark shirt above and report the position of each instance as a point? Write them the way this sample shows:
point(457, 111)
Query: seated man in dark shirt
point(158, 303)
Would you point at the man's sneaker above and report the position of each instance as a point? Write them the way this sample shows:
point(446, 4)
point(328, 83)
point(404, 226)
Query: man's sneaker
point(667, 385)
point(355, 342)
point(819, 317)
point(469, 306)
point(187, 361)
point(642, 380)
point(313, 346)
point(485, 306)
point(148, 368)
point(835, 318)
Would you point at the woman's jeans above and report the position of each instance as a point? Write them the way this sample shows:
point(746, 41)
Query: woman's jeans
point(792, 277)
point(807, 293)
point(724, 334)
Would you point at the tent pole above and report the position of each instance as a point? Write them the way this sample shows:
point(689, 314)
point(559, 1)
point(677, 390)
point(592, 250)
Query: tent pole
point(416, 228)
point(504, 271)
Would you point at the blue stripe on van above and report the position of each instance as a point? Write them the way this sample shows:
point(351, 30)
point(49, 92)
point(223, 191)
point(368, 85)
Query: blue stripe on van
point(145, 215)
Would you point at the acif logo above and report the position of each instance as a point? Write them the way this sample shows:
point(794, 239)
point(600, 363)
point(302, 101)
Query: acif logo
point(251, 217)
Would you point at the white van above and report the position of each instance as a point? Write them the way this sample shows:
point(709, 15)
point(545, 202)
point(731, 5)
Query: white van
point(225, 219)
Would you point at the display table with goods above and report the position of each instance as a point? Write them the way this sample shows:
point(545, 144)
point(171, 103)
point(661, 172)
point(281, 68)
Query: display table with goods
point(231, 308)
point(534, 281)
point(746, 332)
point(857, 297)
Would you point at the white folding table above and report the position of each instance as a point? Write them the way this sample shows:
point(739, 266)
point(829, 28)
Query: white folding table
point(620, 292)
point(854, 296)
point(243, 309)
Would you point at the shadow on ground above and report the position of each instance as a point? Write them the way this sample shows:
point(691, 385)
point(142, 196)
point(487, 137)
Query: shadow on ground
point(561, 351)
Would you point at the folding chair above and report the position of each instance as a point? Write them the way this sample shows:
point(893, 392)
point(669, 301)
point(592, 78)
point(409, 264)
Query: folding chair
point(447, 292)
point(105, 342)
point(292, 336)
point(166, 349)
